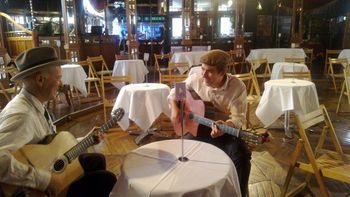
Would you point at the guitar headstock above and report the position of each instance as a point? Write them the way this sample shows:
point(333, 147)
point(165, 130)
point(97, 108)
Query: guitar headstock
point(116, 116)
point(256, 138)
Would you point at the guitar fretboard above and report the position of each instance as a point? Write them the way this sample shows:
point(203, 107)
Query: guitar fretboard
point(229, 130)
point(88, 141)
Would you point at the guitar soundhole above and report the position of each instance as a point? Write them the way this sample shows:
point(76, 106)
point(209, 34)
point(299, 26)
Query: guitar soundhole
point(59, 165)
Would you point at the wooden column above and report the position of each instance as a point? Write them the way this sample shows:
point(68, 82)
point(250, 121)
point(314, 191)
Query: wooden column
point(239, 26)
point(71, 39)
point(239, 17)
point(187, 7)
point(131, 20)
point(297, 22)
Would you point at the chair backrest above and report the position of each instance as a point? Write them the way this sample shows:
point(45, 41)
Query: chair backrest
point(295, 60)
point(338, 61)
point(341, 62)
point(309, 56)
point(162, 61)
point(172, 79)
point(122, 56)
point(89, 68)
point(251, 83)
point(260, 68)
point(297, 75)
point(175, 67)
point(98, 63)
point(237, 58)
point(110, 94)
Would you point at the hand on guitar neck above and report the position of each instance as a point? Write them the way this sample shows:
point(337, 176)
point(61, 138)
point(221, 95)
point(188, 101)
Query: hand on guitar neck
point(194, 115)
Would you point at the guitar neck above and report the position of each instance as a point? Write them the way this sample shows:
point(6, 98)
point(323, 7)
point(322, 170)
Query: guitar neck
point(224, 128)
point(247, 136)
point(88, 141)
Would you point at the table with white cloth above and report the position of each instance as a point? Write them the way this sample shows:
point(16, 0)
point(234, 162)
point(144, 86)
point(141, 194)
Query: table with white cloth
point(284, 95)
point(274, 55)
point(74, 75)
point(280, 67)
point(192, 58)
point(345, 53)
point(142, 103)
point(136, 69)
point(155, 170)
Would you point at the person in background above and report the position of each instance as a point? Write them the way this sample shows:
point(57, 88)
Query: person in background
point(228, 96)
point(25, 120)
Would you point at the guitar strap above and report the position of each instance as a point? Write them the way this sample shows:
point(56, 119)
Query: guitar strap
point(49, 121)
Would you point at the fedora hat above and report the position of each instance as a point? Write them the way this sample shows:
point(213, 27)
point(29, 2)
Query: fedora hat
point(32, 60)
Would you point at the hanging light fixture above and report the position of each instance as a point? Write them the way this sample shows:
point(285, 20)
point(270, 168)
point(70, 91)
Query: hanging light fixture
point(259, 7)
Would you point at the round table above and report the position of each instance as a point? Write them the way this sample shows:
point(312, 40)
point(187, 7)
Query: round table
point(154, 170)
point(283, 95)
point(74, 75)
point(136, 69)
point(142, 103)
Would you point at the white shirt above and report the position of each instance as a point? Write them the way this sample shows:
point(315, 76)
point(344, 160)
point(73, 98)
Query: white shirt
point(22, 122)
point(229, 98)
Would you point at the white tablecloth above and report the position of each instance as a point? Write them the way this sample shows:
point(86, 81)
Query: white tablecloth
point(275, 54)
point(135, 68)
point(142, 103)
point(280, 67)
point(281, 95)
point(154, 170)
point(192, 58)
point(345, 53)
point(74, 75)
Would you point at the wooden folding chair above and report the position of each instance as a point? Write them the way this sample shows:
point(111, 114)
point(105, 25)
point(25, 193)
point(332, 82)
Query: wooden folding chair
point(295, 60)
point(320, 161)
point(110, 97)
point(309, 56)
point(99, 65)
point(260, 69)
point(333, 63)
point(162, 62)
point(91, 77)
point(253, 92)
point(237, 57)
point(345, 90)
point(330, 54)
point(297, 75)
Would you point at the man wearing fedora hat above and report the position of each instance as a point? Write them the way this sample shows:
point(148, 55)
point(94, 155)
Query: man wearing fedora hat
point(228, 96)
point(25, 120)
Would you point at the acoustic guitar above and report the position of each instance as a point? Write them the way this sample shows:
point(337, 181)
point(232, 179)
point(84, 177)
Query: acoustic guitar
point(58, 156)
point(193, 114)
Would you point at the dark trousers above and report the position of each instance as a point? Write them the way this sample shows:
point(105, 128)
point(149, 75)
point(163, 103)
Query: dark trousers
point(97, 181)
point(234, 147)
